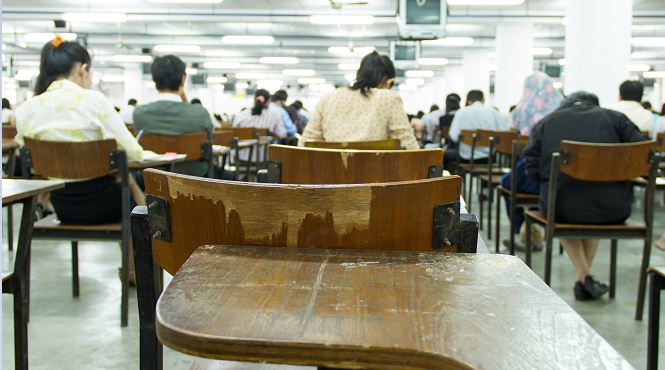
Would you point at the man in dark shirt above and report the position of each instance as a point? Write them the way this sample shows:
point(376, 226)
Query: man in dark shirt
point(580, 118)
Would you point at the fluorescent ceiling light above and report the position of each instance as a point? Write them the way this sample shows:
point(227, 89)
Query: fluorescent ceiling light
point(42, 37)
point(639, 67)
point(218, 87)
point(345, 51)
point(342, 19)
point(172, 48)
point(221, 53)
point(405, 87)
point(27, 63)
point(348, 66)
point(24, 45)
point(657, 42)
point(185, 1)
point(557, 84)
point(432, 61)
point(449, 41)
point(221, 65)
point(191, 71)
point(4, 46)
point(493, 67)
point(563, 62)
point(299, 72)
point(419, 74)
point(241, 85)
point(132, 58)
point(247, 40)
point(322, 87)
point(311, 80)
point(541, 51)
point(350, 77)
point(95, 17)
point(150, 84)
point(249, 76)
point(414, 81)
point(19, 77)
point(644, 55)
point(216, 80)
point(564, 21)
point(269, 84)
point(28, 72)
point(279, 60)
point(654, 74)
point(113, 78)
point(485, 2)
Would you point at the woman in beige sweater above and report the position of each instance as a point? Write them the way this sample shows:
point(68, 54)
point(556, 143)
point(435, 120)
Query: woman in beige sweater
point(368, 110)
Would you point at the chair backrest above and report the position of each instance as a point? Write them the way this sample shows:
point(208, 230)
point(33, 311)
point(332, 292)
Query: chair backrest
point(222, 137)
point(8, 132)
point(660, 140)
point(503, 140)
point(244, 133)
point(191, 144)
point(388, 144)
point(606, 162)
point(192, 211)
point(467, 137)
point(336, 166)
point(69, 160)
point(483, 138)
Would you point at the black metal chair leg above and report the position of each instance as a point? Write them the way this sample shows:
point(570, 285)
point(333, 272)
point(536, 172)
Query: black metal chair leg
point(490, 199)
point(548, 256)
point(613, 267)
point(75, 268)
point(528, 241)
point(654, 321)
point(497, 231)
point(481, 205)
point(20, 326)
point(560, 249)
point(10, 227)
point(641, 290)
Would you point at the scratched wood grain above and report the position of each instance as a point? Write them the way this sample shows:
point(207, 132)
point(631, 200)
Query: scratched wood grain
point(327, 166)
point(189, 144)
point(387, 144)
point(606, 162)
point(391, 216)
point(374, 309)
point(96, 154)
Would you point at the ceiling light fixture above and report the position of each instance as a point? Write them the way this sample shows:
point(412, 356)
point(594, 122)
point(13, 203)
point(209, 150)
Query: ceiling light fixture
point(433, 61)
point(414, 81)
point(216, 80)
point(247, 40)
point(129, 58)
point(342, 19)
point(185, 1)
point(638, 67)
point(172, 48)
point(485, 2)
point(656, 42)
point(311, 80)
point(345, 51)
point(191, 71)
point(348, 66)
point(541, 51)
point(241, 85)
point(221, 65)
point(405, 87)
point(95, 17)
point(449, 41)
point(47, 36)
point(350, 77)
point(419, 74)
point(299, 72)
point(563, 62)
point(249, 76)
point(654, 74)
point(279, 60)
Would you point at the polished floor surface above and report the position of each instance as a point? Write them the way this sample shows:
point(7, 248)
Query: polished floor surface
point(85, 332)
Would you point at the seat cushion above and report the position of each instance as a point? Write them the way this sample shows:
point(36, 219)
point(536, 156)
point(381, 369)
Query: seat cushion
point(52, 223)
point(539, 217)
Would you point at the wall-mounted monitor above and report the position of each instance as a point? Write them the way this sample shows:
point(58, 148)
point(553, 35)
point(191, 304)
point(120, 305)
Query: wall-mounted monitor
point(422, 19)
point(405, 53)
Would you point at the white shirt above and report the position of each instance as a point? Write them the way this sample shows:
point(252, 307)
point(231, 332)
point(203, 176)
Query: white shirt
point(431, 123)
point(641, 117)
point(169, 97)
point(7, 116)
point(127, 114)
point(68, 112)
point(474, 117)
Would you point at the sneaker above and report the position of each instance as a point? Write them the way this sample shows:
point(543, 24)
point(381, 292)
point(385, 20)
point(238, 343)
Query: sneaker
point(580, 293)
point(519, 246)
point(594, 287)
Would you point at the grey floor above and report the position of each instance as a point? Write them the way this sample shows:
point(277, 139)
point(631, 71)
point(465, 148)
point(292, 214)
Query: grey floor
point(85, 333)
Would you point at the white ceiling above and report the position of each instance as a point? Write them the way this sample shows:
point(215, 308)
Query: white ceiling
point(288, 21)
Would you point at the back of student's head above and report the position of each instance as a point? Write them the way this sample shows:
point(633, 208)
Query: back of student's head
point(132, 102)
point(647, 105)
point(420, 114)
point(297, 105)
point(261, 98)
point(631, 90)
point(580, 97)
point(196, 101)
point(280, 95)
point(474, 96)
point(374, 71)
point(5, 104)
point(452, 102)
point(58, 59)
point(433, 108)
point(168, 72)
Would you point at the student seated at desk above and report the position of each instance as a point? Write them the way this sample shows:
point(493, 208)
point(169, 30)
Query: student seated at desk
point(171, 114)
point(368, 110)
point(64, 108)
point(261, 116)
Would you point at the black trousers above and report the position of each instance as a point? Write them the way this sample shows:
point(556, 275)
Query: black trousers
point(96, 201)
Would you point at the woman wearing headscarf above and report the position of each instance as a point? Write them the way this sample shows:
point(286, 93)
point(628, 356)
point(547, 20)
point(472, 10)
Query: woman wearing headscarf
point(539, 99)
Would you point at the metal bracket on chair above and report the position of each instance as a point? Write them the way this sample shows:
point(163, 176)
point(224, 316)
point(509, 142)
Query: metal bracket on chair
point(271, 173)
point(159, 218)
point(446, 230)
point(206, 150)
point(564, 155)
point(469, 240)
point(435, 171)
point(26, 161)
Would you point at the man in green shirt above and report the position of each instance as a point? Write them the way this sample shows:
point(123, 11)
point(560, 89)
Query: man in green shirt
point(171, 114)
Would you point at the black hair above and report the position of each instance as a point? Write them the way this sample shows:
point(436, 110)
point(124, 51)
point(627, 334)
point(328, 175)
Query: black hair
point(132, 101)
point(647, 105)
point(420, 114)
point(474, 96)
point(452, 102)
point(261, 97)
point(5, 104)
point(580, 97)
point(374, 70)
point(167, 72)
point(433, 108)
point(196, 101)
point(117, 108)
point(297, 105)
point(662, 110)
point(631, 90)
point(279, 95)
point(57, 61)
point(512, 108)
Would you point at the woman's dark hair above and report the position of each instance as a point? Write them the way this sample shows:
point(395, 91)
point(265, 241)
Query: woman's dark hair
point(374, 70)
point(167, 72)
point(196, 101)
point(452, 102)
point(580, 97)
point(662, 110)
point(261, 98)
point(57, 61)
point(420, 114)
point(5, 104)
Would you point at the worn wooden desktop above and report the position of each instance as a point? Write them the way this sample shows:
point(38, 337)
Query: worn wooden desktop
point(17, 190)
point(162, 160)
point(374, 309)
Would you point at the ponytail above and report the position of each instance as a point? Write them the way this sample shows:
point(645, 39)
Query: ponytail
point(260, 101)
point(57, 60)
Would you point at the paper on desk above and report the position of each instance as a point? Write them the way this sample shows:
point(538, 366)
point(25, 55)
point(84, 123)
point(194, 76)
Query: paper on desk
point(149, 155)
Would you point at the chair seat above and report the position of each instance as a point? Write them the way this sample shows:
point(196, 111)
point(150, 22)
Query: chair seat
point(7, 275)
point(205, 364)
point(52, 223)
point(496, 179)
point(657, 270)
point(642, 182)
point(539, 217)
point(520, 196)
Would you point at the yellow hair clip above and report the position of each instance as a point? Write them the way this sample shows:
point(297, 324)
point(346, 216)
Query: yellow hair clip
point(57, 41)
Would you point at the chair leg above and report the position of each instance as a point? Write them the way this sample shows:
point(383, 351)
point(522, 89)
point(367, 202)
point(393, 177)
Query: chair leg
point(20, 326)
point(528, 242)
point(641, 290)
point(548, 256)
point(10, 227)
point(490, 199)
point(481, 204)
point(497, 231)
point(75, 268)
point(613, 267)
point(469, 200)
point(654, 320)
point(560, 249)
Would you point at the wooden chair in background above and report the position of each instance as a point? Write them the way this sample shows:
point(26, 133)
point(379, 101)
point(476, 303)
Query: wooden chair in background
point(657, 284)
point(248, 140)
point(297, 165)
point(78, 161)
point(185, 212)
point(197, 146)
point(8, 135)
point(388, 144)
point(601, 163)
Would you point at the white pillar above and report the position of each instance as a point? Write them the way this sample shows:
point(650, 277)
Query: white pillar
point(476, 72)
point(598, 47)
point(514, 62)
point(133, 83)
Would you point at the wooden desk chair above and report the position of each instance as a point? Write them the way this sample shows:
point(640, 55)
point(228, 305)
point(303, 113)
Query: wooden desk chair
point(223, 138)
point(475, 140)
point(388, 144)
point(516, 199)
point(186, 212)
point(501, 143)
point(251, 140)
point(601, 163)
point(77, 161)
point(9, 133)
point(297, 165)
point(197, 146)
point(657, 284)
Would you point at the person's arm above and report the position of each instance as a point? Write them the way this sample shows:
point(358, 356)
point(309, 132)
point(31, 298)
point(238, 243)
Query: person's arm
point(455, 129)
point(112, 127)
point(532, 153)
point(398, 124)
point(276, 126)
point(314, 129)
point(288, 123)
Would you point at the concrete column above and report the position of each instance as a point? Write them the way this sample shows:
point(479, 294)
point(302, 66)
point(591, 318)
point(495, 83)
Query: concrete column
point(476, 72)
point(598, 47)
point(514, 62)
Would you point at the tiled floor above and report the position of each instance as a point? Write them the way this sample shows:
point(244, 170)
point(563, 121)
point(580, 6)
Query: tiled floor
point(85, 333)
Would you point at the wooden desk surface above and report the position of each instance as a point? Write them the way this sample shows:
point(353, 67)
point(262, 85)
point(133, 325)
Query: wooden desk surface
point(9, 144)
point(161, 160)
point(15, 190)
point(374, 309)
